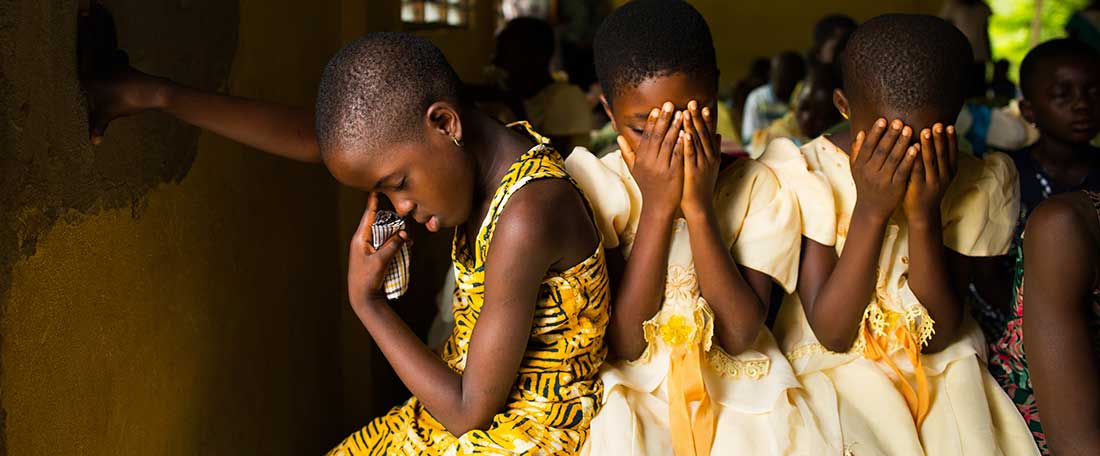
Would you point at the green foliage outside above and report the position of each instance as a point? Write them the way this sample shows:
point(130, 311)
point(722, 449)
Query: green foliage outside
point(1010, 26)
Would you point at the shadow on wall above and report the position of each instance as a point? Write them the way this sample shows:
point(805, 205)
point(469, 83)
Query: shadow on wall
point(192, 301)
point(49, 169)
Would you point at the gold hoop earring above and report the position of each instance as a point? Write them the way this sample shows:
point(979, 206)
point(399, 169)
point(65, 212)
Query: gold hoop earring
point(458, 142)
point(844, 115)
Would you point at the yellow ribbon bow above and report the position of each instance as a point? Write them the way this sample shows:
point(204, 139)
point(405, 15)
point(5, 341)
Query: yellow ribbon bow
point(692, 435)
point(920, 399)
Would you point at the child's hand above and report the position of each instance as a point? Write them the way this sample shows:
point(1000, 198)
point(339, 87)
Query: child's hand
point(932, 174)
point(881, 163)
point(367, 265)
point(658, 165)
point(125, 93)
point(701, 160)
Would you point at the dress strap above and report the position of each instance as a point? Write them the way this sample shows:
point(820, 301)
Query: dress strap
point(540, 162)
point(525, 127)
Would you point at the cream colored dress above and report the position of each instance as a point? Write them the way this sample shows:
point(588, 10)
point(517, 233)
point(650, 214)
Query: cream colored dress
point(753, 397)
point(861, 401)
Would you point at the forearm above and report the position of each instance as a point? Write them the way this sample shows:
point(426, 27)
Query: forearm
point(1085, 443)
point(429, 379)
point(836, 311)
point(1063, 365)
point(931, 281)
point(274, 128)
point(739, 313)
point(641, 291)
point(1065, 380)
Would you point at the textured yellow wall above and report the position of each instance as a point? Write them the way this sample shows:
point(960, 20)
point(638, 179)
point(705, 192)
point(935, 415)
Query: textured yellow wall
point(745, 29)
point(203, 320)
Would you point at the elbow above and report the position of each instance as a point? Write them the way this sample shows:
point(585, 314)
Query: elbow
point(833, 334)
point(740, 337)
point(739, 342)
point(737, 328)
point(470, 425)
point(837, 344)
point(626, 339)
point(945, 335)
point(477, 417)
point(836, 341)
point(933, 347)
point(628, 355)
point(624, 350)
point(947, 328)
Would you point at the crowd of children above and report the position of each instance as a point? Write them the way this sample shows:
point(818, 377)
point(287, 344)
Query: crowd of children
point(618, 303)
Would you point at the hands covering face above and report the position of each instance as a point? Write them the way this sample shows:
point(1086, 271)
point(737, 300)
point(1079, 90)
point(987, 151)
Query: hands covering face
point(890, 168)
point(677, 162)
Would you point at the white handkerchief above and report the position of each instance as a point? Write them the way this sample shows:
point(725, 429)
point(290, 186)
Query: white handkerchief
point(386, 224)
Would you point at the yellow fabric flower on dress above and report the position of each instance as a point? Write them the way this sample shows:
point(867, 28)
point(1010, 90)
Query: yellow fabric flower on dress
point(677, 330)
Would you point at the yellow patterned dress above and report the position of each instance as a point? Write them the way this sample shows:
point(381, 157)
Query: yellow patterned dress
point(557, 391)
point(884, 396)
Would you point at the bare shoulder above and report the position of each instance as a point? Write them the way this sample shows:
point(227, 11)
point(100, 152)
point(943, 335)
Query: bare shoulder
point(549, 215)
point(1063, 233)
point(1067, 217)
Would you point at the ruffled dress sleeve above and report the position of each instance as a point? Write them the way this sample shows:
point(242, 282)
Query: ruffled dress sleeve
point(760, 221)
point(610, 189)
point(982, 206)
point(812, 193)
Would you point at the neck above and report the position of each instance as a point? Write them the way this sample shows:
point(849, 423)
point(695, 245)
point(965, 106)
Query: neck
point(1052, 152)
point(843, 140)
point(1068, 164)
point(495, 148)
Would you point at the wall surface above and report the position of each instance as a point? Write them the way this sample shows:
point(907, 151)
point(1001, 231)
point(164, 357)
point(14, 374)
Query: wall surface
point(168, 292)
point(746, 29)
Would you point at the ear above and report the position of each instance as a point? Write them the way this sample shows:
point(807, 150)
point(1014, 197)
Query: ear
point(1027, 111)
point(841, 102)
point(607, 110)
point(442, 118)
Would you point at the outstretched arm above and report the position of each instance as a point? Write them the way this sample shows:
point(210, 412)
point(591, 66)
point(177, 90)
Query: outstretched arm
point(271, 127)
